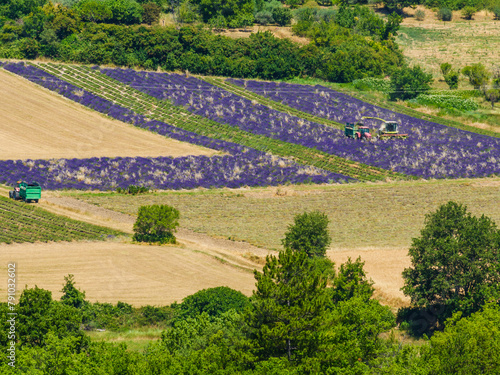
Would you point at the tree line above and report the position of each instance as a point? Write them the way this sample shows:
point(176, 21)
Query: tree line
point(304, 317)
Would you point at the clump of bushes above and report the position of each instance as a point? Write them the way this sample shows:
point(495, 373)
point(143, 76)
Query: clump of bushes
point(444, 14)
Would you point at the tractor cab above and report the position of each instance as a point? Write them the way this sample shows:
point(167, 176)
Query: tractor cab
point(389, 127)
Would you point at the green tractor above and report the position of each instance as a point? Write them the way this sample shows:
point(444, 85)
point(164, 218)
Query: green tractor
point(388, 129)
point(26, 192)
point(357, 131)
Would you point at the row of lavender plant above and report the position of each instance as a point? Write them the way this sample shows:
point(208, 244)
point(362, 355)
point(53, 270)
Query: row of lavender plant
point(252, 168)
point(246, 167)
point(432, 150)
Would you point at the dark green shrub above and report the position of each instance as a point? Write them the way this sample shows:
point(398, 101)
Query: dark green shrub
point(282, 16)
point(444, 14)
point(151, 13)
point(496, 12)
point(133, 189)
point(156, 223)
point(213, 301)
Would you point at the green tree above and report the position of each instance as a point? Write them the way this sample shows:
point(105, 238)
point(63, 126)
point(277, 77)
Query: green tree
point(282, 16)
point(288, 307)
point(478, 75)
point(309, 234)
point(156, 223)
point(351, 281)
point(468, 345)
point(408, 83)
point(71, 295)
point(468, 12)
point(455, 262)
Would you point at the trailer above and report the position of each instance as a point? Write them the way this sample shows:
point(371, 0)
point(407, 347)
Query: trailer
point(27, 192)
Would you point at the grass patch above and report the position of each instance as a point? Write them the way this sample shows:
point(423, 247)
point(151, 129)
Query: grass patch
point(135, 339)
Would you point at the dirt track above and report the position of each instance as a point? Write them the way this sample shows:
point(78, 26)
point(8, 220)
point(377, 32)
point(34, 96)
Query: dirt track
point(38, 124)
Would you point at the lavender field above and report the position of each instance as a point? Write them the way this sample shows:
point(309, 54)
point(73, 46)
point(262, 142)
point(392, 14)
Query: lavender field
point(431, 150)
point(242, 167)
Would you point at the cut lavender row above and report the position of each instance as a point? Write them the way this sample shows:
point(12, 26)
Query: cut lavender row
point(116, 111)
point(252, 168)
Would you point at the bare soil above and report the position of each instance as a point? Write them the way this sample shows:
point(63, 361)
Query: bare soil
point(38, 124)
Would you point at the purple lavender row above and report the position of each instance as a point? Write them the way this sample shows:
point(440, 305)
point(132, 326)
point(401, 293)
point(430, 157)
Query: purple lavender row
point(431, 151)
point(249, 169)
point(116, 111)
point(440, 151)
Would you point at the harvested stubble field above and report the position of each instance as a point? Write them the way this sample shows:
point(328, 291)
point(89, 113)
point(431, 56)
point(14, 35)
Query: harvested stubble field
point(38, 124)
point(459, 42)
point(381, 215)
point(116, 271)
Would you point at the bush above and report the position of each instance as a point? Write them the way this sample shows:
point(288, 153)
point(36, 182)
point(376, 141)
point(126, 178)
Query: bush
point(156, 223)
point(264, 17)
point(133, 189)
point(282, 16)
point(420, 15)
point(468, 12)
point(444, 14)
point(213, 301)
point(408, 83)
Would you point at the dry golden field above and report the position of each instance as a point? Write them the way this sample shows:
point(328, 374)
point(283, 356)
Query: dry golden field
point(37, 123)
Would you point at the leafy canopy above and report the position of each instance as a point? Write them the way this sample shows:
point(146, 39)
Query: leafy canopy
point(156, 223)
point(455, 262)
point(408, 83)
point(309, 234)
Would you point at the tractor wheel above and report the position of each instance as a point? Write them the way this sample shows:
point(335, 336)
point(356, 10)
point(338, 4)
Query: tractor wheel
point(10, 194)
point(36, 200)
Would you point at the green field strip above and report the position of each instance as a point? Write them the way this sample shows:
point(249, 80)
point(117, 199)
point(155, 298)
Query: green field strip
point(278, 106)
point(162, 110)
point(21, 222)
